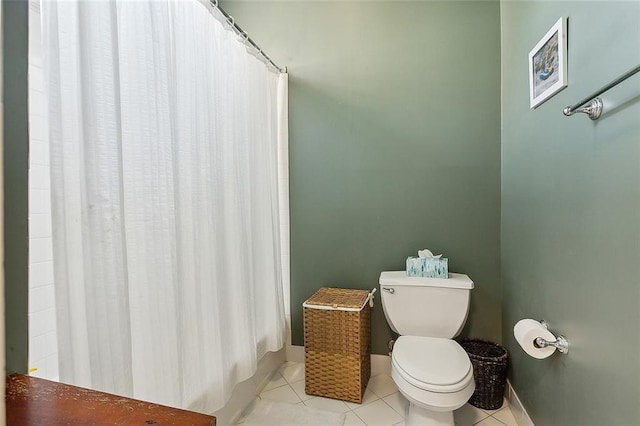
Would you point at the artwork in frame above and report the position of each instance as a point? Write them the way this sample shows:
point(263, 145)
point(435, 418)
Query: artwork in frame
point(548, 64)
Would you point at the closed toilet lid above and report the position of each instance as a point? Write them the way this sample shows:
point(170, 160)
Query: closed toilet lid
point(432, 362)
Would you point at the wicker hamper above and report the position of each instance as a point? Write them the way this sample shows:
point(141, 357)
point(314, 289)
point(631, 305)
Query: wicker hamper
point(337, 343)
point(489, 362)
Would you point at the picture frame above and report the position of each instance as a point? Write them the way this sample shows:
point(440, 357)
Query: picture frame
point(548, 64)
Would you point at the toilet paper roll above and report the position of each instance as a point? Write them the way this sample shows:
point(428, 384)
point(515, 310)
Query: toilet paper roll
point(526, 331)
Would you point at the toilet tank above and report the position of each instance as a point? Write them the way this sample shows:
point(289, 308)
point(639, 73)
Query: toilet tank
point(431, 307)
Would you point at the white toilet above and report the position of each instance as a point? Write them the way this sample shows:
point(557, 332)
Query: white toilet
point(431, 370)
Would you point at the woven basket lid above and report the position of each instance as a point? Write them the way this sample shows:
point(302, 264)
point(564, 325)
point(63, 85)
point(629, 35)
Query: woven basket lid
point(338, 298)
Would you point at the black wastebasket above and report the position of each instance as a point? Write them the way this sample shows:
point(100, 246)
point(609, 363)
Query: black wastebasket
point(489, 362)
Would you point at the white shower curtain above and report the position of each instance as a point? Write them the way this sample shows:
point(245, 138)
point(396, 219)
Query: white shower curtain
point(165, 135)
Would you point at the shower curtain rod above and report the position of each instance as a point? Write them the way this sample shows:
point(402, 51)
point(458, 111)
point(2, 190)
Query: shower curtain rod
point(236, 28)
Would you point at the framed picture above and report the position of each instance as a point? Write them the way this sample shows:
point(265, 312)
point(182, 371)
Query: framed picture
point(548, 64)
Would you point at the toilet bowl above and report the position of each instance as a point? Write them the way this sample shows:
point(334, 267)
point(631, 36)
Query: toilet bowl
point(432, 371)
point(434, 375)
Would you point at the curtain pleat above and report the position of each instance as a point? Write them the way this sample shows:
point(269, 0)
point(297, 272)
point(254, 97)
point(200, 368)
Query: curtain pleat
point(167, 199)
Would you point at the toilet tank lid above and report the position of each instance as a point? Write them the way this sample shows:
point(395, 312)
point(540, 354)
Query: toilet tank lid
point(400, 278)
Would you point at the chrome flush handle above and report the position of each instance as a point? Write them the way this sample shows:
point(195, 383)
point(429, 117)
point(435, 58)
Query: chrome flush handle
point(389, 290)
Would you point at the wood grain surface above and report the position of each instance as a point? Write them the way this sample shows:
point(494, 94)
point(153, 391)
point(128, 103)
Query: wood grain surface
point(34, 401)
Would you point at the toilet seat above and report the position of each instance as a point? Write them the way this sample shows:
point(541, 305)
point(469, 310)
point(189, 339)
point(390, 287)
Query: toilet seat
point(432, 364)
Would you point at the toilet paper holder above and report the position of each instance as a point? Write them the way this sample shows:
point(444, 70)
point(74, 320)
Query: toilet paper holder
point(561, 344)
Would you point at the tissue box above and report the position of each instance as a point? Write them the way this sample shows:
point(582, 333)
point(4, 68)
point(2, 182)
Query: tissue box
point(431, 267)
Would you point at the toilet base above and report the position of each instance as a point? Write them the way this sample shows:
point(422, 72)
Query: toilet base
point(419, 416)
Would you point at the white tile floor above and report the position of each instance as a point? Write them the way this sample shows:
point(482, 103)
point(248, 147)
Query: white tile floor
point(382, 405)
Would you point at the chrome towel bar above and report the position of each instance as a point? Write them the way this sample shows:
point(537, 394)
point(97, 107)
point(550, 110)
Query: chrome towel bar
point(594, 107)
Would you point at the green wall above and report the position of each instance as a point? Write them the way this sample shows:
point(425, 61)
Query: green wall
point(394, 142)
point(15, 170)
point(395, 146)
point(571, 215)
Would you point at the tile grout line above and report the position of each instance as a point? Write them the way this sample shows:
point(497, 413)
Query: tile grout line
point(378, 397)
point(498, 420)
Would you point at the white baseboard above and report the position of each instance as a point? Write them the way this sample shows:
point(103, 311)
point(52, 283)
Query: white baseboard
point(379, 363)
point(245, 393)
point(382, 364)
point(517, 409)
point(295, 353)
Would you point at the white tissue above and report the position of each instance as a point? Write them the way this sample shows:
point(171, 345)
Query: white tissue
point(526, 331)
point(428, 253)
